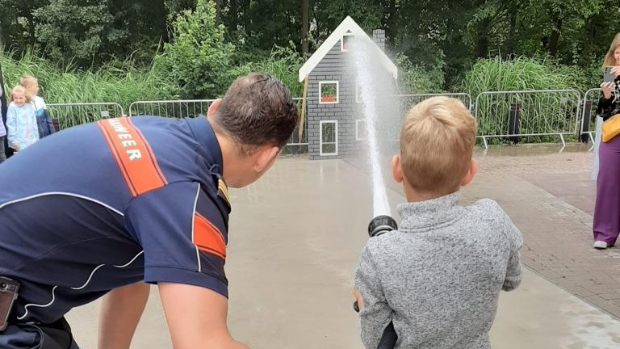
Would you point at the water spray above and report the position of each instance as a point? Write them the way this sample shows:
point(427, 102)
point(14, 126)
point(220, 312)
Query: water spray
point(382, 222)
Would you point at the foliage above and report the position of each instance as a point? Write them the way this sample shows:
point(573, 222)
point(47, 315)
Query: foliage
point(17, 24)
point(85, 33)
point(80, 27)
point(198, 59)
point(414, 79)
point(283, 63)
point(203, 44)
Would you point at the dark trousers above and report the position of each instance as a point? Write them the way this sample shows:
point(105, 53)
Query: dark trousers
point(38, 336)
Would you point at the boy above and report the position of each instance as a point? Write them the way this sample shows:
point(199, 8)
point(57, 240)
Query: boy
point(439, 276)
point(44, 121)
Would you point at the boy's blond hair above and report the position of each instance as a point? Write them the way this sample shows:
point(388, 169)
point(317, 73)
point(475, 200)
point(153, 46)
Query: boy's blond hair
point(29, 82)
point(436, 145)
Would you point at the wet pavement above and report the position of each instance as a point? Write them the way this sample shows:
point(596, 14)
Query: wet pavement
point(296, 234)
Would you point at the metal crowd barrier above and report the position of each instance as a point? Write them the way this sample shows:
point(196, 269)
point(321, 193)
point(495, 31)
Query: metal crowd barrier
point(67, 115)
point(588, 123)
point(398, 106)
point(171, 108)
point(535, 113)
point(500, 114)
point(195, 107)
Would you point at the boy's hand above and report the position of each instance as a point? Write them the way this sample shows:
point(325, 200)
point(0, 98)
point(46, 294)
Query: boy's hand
point(358, 299)
point(15, 147)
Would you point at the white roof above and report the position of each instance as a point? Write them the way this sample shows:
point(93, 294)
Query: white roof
point(347, 26)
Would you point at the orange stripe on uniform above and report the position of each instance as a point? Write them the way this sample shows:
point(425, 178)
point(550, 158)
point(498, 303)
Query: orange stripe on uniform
point(207, 237)
point(133, 155)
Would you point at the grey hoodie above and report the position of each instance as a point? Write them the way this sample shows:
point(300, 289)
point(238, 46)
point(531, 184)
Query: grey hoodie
point(439, 276)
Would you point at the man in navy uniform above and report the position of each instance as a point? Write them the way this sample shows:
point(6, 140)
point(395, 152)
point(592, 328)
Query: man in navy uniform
point(110, 207)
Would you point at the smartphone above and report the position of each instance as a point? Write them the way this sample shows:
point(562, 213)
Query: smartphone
point(609, 77)
point(8, 295)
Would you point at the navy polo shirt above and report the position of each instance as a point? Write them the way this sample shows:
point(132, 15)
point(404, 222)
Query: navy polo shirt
point(109, 204)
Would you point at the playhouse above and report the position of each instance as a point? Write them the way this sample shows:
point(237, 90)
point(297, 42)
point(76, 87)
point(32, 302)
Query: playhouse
point(335, 127)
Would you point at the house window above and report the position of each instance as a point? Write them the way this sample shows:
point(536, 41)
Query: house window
point(345, 43)
point(329, 92)
point(361, 133)
point(328, 137)
point(358, 94)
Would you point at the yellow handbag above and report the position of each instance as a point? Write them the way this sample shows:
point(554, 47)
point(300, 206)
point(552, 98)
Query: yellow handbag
point(611, 128)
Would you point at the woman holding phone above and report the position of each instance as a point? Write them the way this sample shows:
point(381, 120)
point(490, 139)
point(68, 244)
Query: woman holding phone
point(606, 225)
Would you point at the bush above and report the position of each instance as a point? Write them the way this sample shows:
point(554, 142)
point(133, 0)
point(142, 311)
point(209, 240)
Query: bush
point(283, 63)
point(198, 59)
point(413, 79)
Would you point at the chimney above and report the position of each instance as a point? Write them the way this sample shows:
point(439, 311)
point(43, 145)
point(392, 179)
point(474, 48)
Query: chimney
point(378, 36)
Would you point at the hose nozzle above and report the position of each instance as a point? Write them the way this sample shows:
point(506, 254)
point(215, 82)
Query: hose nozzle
point(381, 225)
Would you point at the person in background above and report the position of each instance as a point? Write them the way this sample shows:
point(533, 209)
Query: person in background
point(3, 107)
point(44, 121)
point(21, 121)
point(606, 225)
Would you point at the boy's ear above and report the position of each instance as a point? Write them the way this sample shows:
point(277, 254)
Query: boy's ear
point(471, 172)
point(397, 171)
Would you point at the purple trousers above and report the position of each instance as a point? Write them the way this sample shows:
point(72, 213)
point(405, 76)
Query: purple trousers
point(607, 210)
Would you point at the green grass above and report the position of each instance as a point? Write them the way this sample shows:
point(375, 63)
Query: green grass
point(120, 83)
point(518, 74)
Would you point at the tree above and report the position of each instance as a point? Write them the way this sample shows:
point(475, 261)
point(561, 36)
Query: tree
point(17, 24)
point(140, 27)
point(328, 14)
point(75, 30)
point(305, 26)
point(198, 57)
point(175, 7)
point(436, 36)
point(258, 26)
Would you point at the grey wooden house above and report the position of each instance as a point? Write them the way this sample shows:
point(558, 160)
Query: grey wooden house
point(336, 128)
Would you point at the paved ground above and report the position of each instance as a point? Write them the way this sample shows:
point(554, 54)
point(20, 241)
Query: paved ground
point(296, 235)
point(551, 199)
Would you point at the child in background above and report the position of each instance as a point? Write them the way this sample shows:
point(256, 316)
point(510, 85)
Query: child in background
point(44, 121)
point(21, 120)
point(438, 277)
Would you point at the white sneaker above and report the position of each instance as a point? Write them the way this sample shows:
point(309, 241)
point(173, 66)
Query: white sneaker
point(601, 245)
